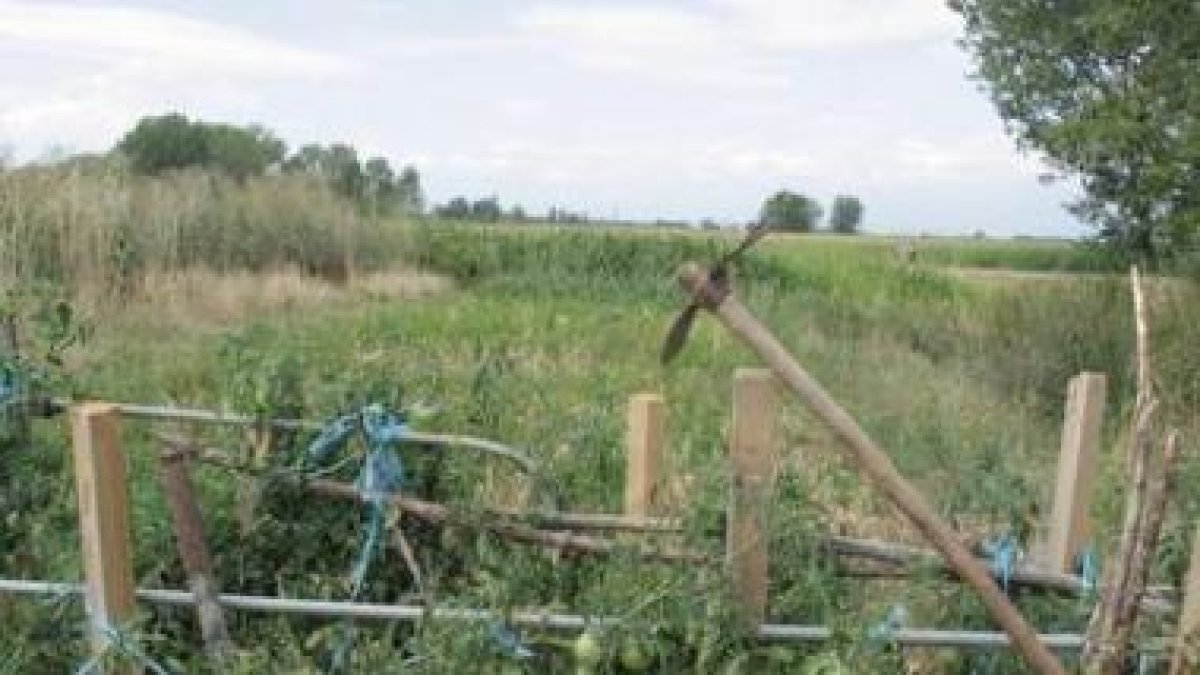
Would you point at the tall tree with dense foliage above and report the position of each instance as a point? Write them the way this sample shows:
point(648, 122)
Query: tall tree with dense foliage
point(786, 210)
point(1109, 91)
point(163, 143)
point(172, 141)
point(845, 214)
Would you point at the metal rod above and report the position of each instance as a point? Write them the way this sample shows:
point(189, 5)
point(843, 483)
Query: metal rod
point(769, 632)
point(137, 410)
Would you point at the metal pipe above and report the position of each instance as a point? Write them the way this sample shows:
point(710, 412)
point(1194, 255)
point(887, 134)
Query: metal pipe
point(137, 410)
point(329, 608)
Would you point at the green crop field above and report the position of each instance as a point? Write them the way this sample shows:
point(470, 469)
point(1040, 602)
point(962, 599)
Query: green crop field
point(537, 338)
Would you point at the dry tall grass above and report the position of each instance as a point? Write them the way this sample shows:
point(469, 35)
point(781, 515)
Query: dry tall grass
point(99, 231)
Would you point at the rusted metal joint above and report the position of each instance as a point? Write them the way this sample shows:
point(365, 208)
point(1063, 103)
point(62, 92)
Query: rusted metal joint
point(708, 288)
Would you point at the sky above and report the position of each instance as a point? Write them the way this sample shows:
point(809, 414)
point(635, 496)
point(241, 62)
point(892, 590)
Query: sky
point(635, 109)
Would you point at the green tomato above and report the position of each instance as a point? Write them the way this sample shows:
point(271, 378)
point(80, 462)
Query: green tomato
point(587, 648)
point(633, 656)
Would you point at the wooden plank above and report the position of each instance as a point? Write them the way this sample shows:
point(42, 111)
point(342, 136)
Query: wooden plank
point(100, 483)
point(645, 442)
point(752, 463)
point(1186, 658)
point(1078, 458)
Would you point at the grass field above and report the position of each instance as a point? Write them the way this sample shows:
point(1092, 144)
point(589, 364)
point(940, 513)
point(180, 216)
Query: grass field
point(537, 338)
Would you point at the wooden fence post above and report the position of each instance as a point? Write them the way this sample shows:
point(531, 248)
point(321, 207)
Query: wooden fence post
point(1070, 525)
point(644, 444)
point(1186, 656)
point(752, 460)
point(100, 484)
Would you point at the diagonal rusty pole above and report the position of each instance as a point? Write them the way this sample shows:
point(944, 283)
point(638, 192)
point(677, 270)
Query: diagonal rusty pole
point(189, 536)
point(714, 296)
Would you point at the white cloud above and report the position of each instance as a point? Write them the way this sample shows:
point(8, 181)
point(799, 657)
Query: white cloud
point(727, 43)
point(685, 47)
point(837, 24)
point(88, 71)
point(161, 39)
point(969, 156)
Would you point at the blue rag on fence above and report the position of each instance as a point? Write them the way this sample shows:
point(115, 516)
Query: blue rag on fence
point(379, 478)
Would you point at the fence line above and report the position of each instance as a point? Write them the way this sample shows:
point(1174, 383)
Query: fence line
point(767, 632)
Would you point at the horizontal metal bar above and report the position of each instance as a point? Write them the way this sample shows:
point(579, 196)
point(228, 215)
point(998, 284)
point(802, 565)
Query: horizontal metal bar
point(358, 610)
point(137, 410)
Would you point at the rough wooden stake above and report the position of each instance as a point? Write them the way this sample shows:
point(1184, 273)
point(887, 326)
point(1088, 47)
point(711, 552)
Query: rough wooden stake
point(189, 537)
point(100, 484)
point(644, 446)
point(752, 478)
point(872, 461)
point(1111, 628)
point(1186, 657)
point(1078, 458)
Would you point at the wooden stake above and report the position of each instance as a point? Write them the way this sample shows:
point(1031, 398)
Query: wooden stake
point(752, 460)
point(100, 484)
point(189, 538)
point(1186, 658)
point(1070, 524)
point(872, 460)
point(645, 442)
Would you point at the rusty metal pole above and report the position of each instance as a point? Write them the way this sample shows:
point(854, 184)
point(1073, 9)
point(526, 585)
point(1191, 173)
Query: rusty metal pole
point(871, 460)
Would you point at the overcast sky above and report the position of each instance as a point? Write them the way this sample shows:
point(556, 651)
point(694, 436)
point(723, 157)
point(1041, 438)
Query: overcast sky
point(619, 108)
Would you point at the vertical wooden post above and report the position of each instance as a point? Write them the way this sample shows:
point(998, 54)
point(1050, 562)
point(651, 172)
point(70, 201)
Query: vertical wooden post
point(100, 484)
point(1070, 525)
point(752, 460)
point(644, 445)
point(1186, 656)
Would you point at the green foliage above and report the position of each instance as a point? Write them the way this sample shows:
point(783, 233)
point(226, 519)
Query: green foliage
point(172, 142)
point(1108, 91)
point(372, 184)
point(845, 215)
point(540, 346)
point(790, 211)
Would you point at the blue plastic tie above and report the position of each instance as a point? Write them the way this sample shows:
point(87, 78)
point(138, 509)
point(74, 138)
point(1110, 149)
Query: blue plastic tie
point(1087, 566)
point(882, 632)
point(381, 427)
point(1003, 551)
point(508, 642)
point(126, 646)
point(332, 439)
point(382, 475)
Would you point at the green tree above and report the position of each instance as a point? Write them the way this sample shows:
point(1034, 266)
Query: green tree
point(486, 210)
point(379, 185)
point(409, 193)
point(1109, 91)
point(172, 141)
point(791, 211)
point(165, 142)
point(241, 152)
point(845, 214)
point(457, 208)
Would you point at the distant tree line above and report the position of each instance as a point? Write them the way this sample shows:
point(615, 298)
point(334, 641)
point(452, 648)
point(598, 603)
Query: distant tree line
point(158, 144)
point(489, 210)
point(791, 211)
